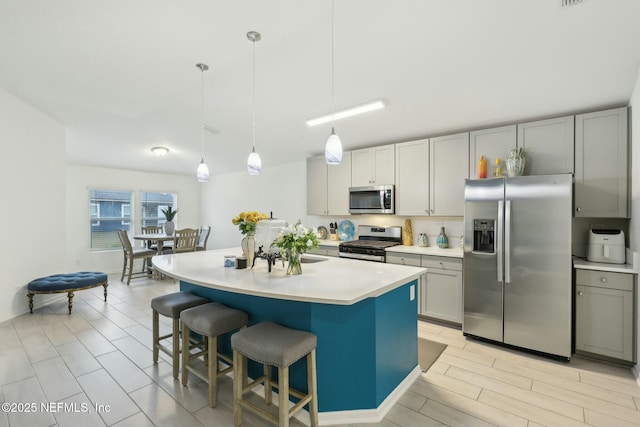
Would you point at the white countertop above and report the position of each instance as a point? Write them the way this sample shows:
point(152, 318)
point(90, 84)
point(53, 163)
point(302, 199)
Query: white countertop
point(333, 281)
point(583, 264)
point(429, 250)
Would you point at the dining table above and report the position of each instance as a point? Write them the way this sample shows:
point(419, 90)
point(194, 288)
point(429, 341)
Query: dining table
point(160, 238)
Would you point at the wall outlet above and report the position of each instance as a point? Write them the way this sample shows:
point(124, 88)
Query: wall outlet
point(412, 292)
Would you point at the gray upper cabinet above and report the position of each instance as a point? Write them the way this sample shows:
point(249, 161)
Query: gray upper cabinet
point(601, 164)
point(492, 144)
point(548, 146)
point(412, 178)
point(373, 166)
point(328, 186)
point(448, 168)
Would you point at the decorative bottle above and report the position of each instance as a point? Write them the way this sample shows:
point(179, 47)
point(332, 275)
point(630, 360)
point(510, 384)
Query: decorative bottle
point(497, 169)
point(442, 240)
point(423, 240)
point(482, 167)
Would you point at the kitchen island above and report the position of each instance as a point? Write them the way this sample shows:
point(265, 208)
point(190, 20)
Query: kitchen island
point(364, 314)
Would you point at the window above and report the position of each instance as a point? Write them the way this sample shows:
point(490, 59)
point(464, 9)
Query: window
point(152, 205)
point(109, 211)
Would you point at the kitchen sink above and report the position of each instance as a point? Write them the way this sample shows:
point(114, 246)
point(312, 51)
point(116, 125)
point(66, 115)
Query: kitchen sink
point(309, 260)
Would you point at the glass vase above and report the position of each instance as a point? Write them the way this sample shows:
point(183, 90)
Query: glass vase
point(442, 240)
point(295, 262)
point(248, 245)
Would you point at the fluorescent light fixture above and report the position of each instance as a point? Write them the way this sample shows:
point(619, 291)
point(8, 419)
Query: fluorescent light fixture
point(354, 111)
point(160, 151)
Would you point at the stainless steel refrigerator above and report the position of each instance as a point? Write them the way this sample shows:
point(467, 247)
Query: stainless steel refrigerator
point(517, 261)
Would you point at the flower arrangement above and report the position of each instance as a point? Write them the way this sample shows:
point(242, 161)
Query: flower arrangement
point(295, 240)
point(297, 237)
point(246, 221)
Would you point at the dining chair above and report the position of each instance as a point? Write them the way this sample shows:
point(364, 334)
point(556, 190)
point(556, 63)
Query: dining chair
point(131, 254)
point(152, 229)
point(204, 237)
point(184, 240)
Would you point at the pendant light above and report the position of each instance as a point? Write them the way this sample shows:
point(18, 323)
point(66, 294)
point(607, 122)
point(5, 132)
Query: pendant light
point(203, 170)
point(333, 148)
point(254, 164)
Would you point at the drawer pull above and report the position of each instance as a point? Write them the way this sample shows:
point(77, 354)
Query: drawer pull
point(603, 279)
point(580, 293)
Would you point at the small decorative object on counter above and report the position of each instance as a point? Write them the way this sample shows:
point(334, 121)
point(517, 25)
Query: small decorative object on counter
point(443, 240)
point(515, 162)
point(296, 240)
point(246, 222)
point(230, 261)
point(423, 240)
point(497, 169)
point(461, 244)
point(482, 167)
point(241, 263)
point(407, 233)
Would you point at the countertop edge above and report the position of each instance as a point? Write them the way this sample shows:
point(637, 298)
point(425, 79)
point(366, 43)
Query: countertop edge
point(583, 264)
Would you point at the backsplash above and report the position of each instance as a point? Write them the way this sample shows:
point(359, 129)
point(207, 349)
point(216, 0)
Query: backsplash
point(454, 226)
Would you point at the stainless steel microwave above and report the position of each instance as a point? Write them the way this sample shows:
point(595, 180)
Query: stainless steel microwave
point(379, 199)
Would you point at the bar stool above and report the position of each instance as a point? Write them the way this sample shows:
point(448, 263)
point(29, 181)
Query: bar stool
point(171, 305)
point(273, 345)
point(209, 320)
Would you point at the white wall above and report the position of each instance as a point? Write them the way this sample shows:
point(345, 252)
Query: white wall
point(281, 190)
point(81, 179)
point(32, 172)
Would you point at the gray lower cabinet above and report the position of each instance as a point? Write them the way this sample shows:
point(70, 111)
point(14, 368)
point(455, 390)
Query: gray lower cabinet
point(605, 314)
point(441, 296)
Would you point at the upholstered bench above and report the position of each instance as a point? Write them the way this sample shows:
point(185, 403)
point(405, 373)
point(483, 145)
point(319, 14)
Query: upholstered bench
point(69, 283)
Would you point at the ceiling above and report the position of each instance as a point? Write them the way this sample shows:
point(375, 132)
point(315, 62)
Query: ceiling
point(121, 74)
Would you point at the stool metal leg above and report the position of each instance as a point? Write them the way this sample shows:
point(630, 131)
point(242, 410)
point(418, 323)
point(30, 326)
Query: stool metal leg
point(312, 388)
point(283, 396)
point(176, 347)
point(156, 335)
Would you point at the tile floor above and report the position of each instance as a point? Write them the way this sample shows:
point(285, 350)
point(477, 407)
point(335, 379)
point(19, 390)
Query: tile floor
point(95, 368)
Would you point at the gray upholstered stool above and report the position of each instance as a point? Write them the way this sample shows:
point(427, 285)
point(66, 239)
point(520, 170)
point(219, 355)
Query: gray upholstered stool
point(171, 305)
point(274, 345)
point(209, 320)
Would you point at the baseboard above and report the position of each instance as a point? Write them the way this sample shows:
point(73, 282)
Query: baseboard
point(636, 373)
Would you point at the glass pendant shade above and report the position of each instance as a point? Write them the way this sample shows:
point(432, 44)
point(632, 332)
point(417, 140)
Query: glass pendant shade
point(333, 149)
point(254, 164)
point(203, 172)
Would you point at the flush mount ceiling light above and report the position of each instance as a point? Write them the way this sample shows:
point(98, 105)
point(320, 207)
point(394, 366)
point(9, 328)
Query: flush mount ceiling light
point(202, 173)
point(254, 164)
point(160, 151)
point(349, 112)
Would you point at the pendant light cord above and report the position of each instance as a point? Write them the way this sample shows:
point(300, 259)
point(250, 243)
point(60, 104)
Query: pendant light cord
point(332, 70)
point(202, 112)
point(253, 102)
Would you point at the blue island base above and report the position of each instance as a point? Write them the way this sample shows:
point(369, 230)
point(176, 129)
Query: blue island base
point(365, 350)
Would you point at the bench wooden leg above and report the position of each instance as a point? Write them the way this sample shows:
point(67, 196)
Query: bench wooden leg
point(70, 296)
point(105, 291)
point(30, 295)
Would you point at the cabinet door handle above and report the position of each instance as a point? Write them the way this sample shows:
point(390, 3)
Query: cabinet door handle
point(580, 293)
point(603, 279)
point(579, 209)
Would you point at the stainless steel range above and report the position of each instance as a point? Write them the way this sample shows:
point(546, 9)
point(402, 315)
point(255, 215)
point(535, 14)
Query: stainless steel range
point(372, 240)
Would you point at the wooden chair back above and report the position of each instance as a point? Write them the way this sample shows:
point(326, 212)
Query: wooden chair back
point(126, 243)
point(204, 237)
point(185, 240)
point(151, 229)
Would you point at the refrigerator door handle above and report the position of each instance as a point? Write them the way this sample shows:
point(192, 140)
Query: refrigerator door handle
point(507, 242)
point(498, 238)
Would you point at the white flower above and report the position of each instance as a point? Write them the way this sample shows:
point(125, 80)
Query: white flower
point(309, 242)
